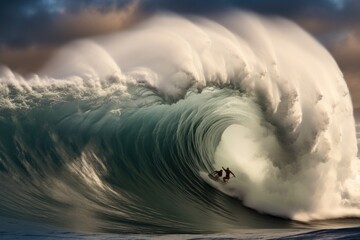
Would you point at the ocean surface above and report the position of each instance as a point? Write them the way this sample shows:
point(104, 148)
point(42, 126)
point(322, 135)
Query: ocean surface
point(115, 137)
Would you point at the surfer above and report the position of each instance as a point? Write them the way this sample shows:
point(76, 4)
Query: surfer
point(227, 174)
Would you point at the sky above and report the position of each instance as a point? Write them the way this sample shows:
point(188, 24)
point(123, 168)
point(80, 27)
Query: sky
point(31, 31)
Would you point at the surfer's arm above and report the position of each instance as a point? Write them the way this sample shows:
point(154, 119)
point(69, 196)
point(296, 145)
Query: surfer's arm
point(223, 168)
point(233, 174)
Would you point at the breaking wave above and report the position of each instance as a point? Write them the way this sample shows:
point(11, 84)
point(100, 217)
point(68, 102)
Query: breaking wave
point(118, 133)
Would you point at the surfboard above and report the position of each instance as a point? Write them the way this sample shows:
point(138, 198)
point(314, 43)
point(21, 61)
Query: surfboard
point(216, 178)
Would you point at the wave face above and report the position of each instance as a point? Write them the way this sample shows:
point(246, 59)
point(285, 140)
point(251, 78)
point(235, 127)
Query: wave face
point(119, 132)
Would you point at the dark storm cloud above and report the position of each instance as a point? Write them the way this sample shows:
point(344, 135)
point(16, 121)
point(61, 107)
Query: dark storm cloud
point(31, 33)
point(280, 7)
point(24, 23)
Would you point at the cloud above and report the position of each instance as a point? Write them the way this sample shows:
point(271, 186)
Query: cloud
point(347, 51)
point(281, 7)
point(27, 51)
point(24, 23)
point(52, 22)
point(92, 21)
point(25, 60)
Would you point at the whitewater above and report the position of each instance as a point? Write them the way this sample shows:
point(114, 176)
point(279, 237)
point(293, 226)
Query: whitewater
point(118, 133)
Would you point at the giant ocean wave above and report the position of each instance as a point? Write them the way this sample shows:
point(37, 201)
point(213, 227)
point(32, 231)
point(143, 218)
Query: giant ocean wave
point(117, 133)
